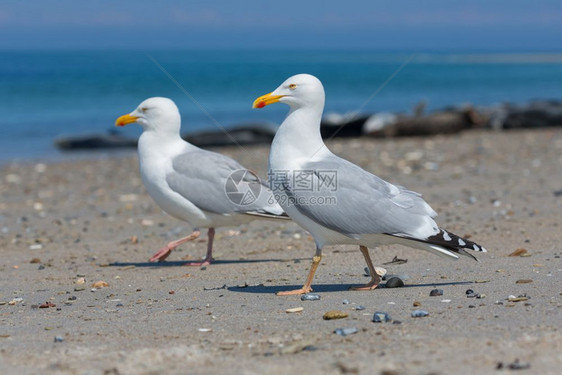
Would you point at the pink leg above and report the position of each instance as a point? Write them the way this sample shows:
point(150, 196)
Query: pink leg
point(375, 278)
point(209, 257)
point(306, 288)
point(163, 253)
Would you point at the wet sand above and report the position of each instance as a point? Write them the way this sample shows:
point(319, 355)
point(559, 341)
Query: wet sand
point(92, 219)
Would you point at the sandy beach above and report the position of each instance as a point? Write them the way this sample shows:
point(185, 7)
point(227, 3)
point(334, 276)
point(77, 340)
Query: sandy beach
point(67, 225)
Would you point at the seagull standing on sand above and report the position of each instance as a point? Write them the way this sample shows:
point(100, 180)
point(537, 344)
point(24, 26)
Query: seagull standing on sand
point(337, 201)
point(206, 189)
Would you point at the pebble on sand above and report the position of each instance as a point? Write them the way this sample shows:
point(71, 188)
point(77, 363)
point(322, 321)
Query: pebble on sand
point(335, 314)
point(345, 331)
point(520, 298)
point(519, 252)
point(381, 317)
point(419, 313)
point(294, 310)
point(436, 292)
point(100, 284)
point(310, 297)
point(394, 282)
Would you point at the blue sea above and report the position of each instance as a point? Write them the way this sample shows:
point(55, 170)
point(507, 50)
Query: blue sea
point(45, 95)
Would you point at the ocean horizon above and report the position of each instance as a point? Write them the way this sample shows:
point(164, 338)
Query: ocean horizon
point(48, 94)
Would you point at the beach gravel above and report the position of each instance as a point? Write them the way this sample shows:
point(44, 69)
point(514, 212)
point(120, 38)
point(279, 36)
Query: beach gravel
point(92, 220)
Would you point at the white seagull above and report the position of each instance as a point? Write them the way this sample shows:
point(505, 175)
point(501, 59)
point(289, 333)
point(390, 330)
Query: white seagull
point(337, 201)
point(203, 188)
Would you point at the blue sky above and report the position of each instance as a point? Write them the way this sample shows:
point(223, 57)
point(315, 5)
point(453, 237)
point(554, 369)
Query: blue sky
point(428, 25)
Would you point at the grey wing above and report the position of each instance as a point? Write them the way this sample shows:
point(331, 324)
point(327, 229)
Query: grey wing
point(210, 181)
point(358, 202)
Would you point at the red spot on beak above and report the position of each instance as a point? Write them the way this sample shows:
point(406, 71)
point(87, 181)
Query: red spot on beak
point(261, 104)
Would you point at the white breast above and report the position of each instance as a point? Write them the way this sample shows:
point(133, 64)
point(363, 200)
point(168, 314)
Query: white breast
point(155, 164)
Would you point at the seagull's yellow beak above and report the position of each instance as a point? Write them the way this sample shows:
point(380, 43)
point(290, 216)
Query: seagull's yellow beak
point(125, 119)
point(266, 99)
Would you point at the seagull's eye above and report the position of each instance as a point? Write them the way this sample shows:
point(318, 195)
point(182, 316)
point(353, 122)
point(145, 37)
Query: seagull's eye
point(144, 109)
point(292, 86)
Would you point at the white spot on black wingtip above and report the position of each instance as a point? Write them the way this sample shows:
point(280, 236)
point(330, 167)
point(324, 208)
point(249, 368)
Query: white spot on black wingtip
point(476, 247)
point(446, 236)
point(461, 242)
point(483, 249)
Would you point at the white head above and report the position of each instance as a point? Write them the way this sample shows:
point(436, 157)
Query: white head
point(155, 114)
point(299, 91)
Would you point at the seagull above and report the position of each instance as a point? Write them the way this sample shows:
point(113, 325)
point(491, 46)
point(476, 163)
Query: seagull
point(337, 201)
point(203, 188)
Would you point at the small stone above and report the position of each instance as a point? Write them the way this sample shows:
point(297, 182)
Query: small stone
point(171, 292)
point(394, 282)
point(80, 281)
point(436, 292)
point(41, 267)
point(469, 291)
point(310, 297)
point(46, 305)
point(204, 329)
point(345, 302)
point(524, 281)
point(79, 288)
point(345, 331)
point(100, 284)
point(518, 298)
point(335, 314)
point(147, 222)
point(59, 339)
point(519, 252)
point(35, 260)
point(516, 365)
point(419, 313)
point(294, 310)
point(360, 308)
point(417, 303)
point(381, 317)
